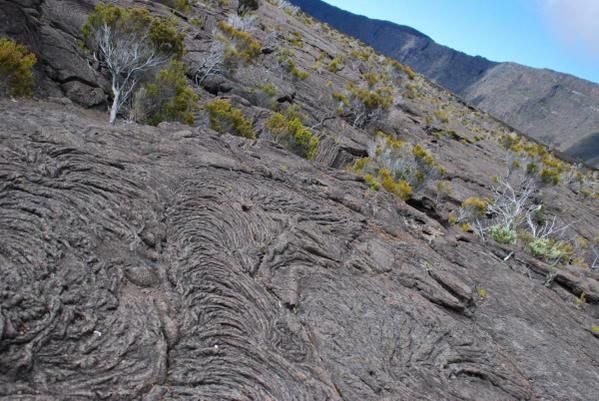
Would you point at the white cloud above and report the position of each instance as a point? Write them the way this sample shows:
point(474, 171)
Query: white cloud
point(576, 22)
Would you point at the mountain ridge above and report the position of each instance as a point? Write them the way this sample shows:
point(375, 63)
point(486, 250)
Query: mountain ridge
point(557, 118)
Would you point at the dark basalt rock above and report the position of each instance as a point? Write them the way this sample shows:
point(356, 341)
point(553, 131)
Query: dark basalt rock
point(171, 263)
point(139, 265)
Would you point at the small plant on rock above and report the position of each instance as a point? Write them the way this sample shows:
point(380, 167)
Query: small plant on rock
point(367, 103)
point(243, 45)
point(288, 128)
point(336, 64)
point(503, 234)
point(549, 250)
point(224, 118)
point(166, 98)
point(16, 64)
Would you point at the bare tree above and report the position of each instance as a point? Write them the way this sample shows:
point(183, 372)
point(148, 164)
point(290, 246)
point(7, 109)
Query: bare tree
point(127, 57)
point(213, 63)
point(128, 44)
point(511, 204)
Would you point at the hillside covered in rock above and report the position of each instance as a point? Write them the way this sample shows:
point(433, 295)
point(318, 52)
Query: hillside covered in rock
point(558, 109)
point(329, 226)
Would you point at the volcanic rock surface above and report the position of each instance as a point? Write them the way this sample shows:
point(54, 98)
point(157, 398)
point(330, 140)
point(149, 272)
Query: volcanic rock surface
point(174, 263)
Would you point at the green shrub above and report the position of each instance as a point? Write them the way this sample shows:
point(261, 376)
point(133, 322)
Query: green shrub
point(399, 167)
point(16, 64)
point(224, 118)
point(289, 129)
point(371, 78)
point(268, 89)
point(336, 64)
point(411, 93)
point(475, 206)
point(403, 68)
point(341, 98)
point(265, 95)
point(400, 188)
point(183, 5)
point(245, 47)
point(296, 40)
point(550, 176)
point(503, 235)
point(372, 99)
point(363, 54)
point(442, 116)
point(166, 98)
point(550, 250)
point(197, 22)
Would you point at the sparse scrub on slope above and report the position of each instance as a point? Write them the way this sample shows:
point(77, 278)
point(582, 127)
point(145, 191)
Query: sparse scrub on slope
point(288, 128)
point(399, 167)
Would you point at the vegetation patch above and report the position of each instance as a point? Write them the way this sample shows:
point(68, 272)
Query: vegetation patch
point(224, 118)
point(288, 128)
point(167, 98)
point(16, 65)
point(398, 167)
point(244, 45)
point(130, 44)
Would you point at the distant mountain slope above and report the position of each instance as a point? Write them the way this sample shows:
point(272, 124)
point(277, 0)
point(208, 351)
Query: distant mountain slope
point(555, 108)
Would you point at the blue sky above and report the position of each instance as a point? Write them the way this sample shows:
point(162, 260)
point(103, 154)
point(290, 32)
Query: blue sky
point(561, 35)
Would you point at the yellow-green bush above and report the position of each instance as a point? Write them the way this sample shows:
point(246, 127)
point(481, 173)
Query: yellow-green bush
point(403, 68)
point(400, 188)
point(16, 64)
point(363, 54)
point(183, 5)
point(336, 64)
point(246, 6)
point(475, 205)
point(372, 99)
point(550, 250)
point(224, 118)
point(371, 78)
point(246, 46)
point(296, 40)
point(442, 116)
point(550, 176)
point(503, 235)
point(289, 129)
point(399, 167)
point(167, 97)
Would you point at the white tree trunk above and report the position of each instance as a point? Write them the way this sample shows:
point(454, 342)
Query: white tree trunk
point(115, 106)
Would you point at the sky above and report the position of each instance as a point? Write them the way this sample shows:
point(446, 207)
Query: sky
point(562, 35)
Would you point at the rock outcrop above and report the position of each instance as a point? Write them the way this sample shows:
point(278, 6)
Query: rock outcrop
point(173, 263)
